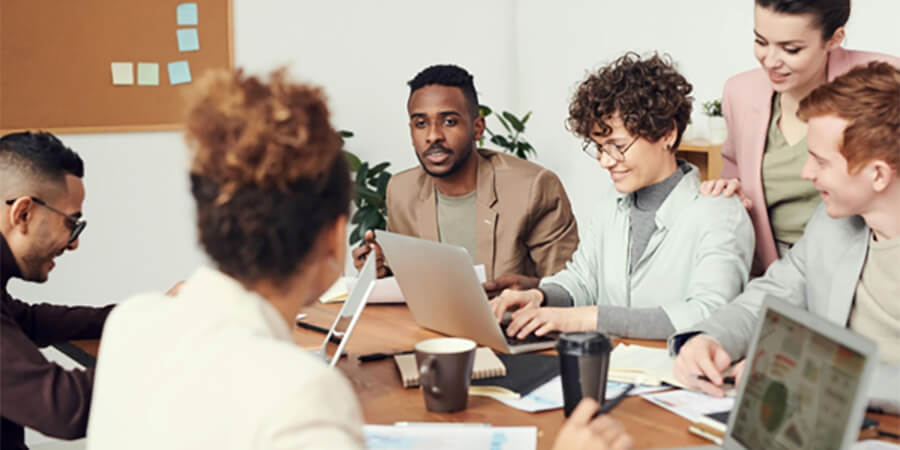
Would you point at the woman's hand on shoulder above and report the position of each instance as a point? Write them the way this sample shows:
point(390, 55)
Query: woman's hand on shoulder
point(725, 187)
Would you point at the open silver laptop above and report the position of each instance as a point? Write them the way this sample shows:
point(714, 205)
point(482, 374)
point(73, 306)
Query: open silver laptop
point(353, 307)
point(444, 294)
point(805, 385)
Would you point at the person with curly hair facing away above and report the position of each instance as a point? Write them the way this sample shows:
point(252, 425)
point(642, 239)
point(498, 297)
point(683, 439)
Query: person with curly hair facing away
point(658, 257)
point(216, 367)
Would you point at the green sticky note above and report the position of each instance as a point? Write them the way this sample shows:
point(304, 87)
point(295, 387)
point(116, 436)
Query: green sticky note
point(179, 72)
point(148, 74)
point(122, 73)
point(188, 41)
point(187, 13)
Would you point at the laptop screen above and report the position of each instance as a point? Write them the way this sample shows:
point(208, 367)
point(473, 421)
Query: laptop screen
point(801, 389)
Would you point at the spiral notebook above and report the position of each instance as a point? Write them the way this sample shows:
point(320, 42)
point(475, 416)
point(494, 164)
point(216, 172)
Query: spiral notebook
point(486, 365)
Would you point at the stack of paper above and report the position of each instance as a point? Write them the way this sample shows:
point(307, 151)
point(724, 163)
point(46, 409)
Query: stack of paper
point(386, 289)
point(550, 396)
point(691, 405)
point(338, 291)
point(447, 436)
point(648, 365)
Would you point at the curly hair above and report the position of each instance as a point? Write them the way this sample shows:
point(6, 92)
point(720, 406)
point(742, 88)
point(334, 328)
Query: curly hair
point(266, 172)
point(866, 97)
point(648, 94)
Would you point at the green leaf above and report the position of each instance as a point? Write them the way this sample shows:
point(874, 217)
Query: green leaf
point(377, 169)
point(383, 180)
point(484, 110)
point(356, 235)
point(352, 161)
point(369, 196)
point(516, 123)
point(361, 174)
point(371, 221)
point(357, 216)
point(505, 124)
point(525, 119)
point(345, 133)
point(501, 141)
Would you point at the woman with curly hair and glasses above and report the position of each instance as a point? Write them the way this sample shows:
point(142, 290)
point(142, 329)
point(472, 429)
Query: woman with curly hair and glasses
point(658, 257)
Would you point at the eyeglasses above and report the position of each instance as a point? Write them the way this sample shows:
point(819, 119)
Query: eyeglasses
point(614, 151)
point(76, 225)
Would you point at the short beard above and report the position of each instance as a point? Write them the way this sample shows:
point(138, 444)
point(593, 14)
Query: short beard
point(32, 270)
point(465, 155)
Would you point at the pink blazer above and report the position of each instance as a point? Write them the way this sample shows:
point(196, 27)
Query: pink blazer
point(747, 107)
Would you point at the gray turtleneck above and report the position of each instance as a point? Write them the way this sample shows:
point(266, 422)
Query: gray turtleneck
point(643, 323)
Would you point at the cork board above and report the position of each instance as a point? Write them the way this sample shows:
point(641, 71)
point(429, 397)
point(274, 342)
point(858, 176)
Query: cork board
point(56, 60)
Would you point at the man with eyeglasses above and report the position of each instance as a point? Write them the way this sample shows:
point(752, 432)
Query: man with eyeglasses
point(40, 218)
point(657, 257)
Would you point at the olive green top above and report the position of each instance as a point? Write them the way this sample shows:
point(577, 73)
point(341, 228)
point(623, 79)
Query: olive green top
point(876, 311)
point(790, 199)
point(456, 221)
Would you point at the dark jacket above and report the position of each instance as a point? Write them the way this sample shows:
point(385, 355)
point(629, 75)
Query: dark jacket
point(35, 392)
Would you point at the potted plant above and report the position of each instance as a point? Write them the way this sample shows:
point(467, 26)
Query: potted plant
point(370, 193)
point(513, 142)
point(717, 129)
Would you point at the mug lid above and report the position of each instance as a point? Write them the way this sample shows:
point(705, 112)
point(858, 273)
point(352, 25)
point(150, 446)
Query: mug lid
point(584, 342)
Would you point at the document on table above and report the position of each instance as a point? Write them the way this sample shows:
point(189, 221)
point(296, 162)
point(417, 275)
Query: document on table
point(652, 366)
point(447, 436)
point(872, 444)
point(550, 396)
point(691, 405)
point(386, 289)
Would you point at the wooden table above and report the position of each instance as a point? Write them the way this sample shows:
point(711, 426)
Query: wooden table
point(387, 328)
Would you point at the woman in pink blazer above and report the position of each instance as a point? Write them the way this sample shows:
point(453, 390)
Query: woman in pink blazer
point(797, 43)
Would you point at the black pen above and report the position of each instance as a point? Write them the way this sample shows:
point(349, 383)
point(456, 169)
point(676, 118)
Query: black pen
point(608, 406)
point(379, 356)
point(726, 380)
point(309, 326)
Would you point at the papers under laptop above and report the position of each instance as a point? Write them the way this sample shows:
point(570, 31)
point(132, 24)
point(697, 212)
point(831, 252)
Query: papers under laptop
point(351, 310)
point(805, 384)
point(444, 294)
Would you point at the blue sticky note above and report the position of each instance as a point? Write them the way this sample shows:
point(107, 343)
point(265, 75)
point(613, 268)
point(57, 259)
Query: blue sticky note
point(179, 72)
point(188, 41)
point(187, 14)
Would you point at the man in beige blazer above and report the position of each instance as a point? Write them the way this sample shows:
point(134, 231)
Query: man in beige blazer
point(511, 215)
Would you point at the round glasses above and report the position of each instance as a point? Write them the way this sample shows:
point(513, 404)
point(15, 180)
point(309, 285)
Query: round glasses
point(616, 152)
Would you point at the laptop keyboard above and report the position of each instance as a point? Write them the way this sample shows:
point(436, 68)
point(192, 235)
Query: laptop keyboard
point(530, 339)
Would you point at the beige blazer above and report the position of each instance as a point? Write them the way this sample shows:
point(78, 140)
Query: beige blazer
point(525, 221)
point(747, 107)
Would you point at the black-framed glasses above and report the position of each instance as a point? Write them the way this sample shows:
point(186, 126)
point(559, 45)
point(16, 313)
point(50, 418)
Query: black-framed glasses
point(614, 151)
point(76, 224)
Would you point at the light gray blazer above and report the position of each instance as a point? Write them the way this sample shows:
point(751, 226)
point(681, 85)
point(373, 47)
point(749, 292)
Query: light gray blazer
point(820, 274)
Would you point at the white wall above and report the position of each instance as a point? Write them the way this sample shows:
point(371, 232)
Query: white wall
point(710, 40)
point(525, 55)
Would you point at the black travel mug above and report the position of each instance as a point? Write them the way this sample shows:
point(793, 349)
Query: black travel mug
point(584, 366)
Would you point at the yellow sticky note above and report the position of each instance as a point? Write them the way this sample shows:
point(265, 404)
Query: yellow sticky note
point(147, 74)
point(122, 73)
